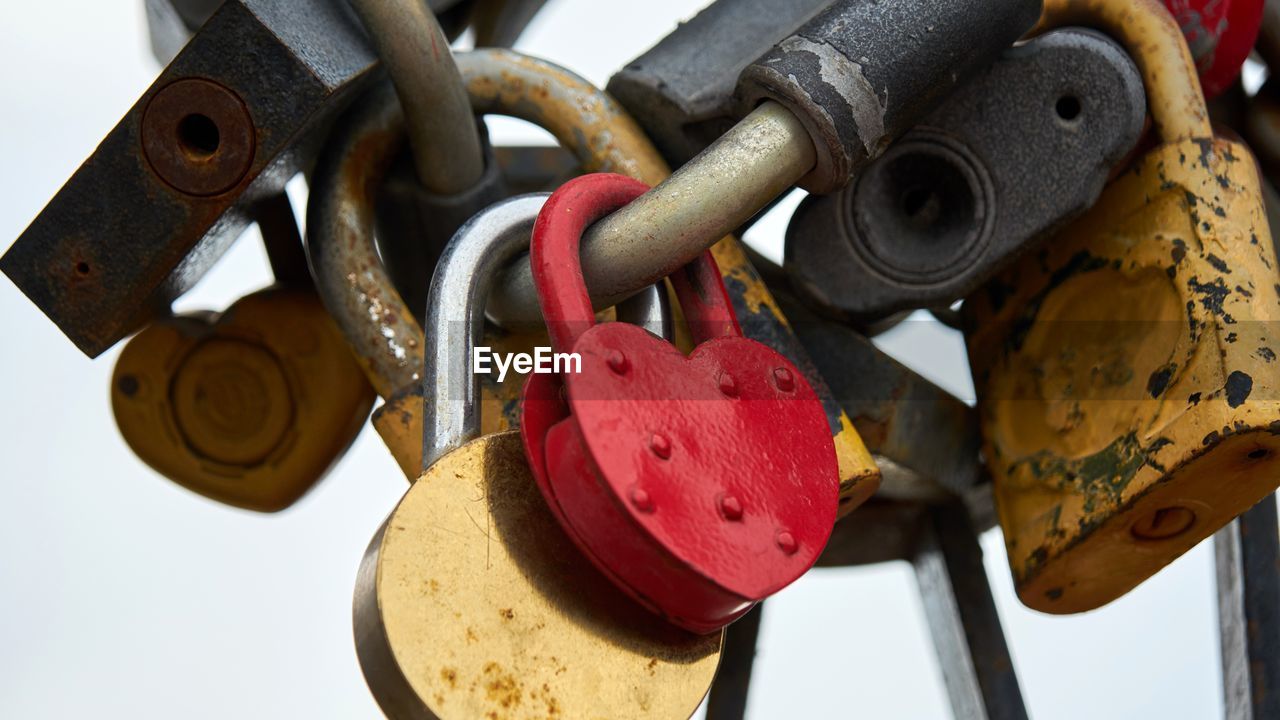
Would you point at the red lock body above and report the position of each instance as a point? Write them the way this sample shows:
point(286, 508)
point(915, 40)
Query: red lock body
point(700, 484)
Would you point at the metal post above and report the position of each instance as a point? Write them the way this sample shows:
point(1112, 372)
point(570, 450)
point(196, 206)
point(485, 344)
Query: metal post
point(967, 636)
point(728, 700)
point(1247, 555)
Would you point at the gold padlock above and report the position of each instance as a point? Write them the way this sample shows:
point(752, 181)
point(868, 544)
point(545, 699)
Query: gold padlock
point(471, 600)
point(1126, 370)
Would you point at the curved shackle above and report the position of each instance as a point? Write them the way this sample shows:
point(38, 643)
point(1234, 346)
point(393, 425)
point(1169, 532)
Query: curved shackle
point(444, 140)
point(463, 280)
point(556, 262)
point(1153, 39)
point(350, 278)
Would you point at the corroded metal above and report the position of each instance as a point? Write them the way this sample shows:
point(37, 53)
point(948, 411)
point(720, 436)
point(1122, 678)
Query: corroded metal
point(954, 200)
point(859, 74)
point(1126, 372)
point(120, 240)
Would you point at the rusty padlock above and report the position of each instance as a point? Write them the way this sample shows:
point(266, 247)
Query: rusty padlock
point(252, 406)
point(1126, 371)
point(699, 484)
point(471, 601)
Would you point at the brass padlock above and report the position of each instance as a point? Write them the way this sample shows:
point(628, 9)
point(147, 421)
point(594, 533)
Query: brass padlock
point(250, 407)
point(1126, 370)
point(471, 600)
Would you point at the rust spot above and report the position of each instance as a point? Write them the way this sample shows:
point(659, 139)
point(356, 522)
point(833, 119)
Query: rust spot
point(501, 687)
point(450, 676)
point(507, 613)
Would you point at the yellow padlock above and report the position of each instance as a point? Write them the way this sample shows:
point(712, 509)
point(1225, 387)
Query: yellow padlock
point(472, 601)
point(252, 406)
point(1126, 371)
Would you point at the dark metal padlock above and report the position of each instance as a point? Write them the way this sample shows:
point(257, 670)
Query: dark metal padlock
point(700, 485)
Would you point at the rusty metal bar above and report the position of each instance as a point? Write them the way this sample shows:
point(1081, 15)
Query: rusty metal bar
point(1247, 556)
point(728, 697)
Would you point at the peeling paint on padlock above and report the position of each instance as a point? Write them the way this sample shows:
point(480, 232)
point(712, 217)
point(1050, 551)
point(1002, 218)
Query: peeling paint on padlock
point(1126, 371)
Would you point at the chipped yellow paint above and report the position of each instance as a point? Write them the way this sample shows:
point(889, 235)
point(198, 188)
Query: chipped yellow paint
point(734, 265)
point(1127, 373)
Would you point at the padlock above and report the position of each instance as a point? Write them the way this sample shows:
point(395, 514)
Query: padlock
point(250, 407)
point(1126, 372)
point(700, 485)
point(471, 601)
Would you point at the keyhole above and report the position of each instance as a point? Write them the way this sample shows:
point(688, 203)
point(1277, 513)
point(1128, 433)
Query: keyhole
point(198, 136)
point(1068, 108)
point(921, 206)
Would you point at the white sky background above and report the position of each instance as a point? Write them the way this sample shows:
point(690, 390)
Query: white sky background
point(122, 595)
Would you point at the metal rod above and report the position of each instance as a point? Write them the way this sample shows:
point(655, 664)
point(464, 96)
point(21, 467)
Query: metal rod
point(976, 666)
point(442, 131)
point(1247, 556)
point(663, 230)
point(282, 239)
point(728, 698)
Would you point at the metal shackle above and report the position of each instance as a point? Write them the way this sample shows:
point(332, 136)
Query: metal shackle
point(447, 151)
point(460, 288)
point(349, 273)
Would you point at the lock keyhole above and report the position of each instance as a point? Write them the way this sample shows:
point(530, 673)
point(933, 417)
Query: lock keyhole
point(921, 206)
point(198, 135)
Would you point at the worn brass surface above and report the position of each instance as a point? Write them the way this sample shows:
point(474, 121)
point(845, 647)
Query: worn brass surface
point(249, 408)
point(472, 603)
point(1127, 377)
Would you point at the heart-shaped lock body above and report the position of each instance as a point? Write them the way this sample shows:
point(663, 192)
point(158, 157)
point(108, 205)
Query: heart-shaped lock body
point(699, 484)
point(250, 407)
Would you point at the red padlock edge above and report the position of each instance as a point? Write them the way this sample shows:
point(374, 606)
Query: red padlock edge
point(555, 258)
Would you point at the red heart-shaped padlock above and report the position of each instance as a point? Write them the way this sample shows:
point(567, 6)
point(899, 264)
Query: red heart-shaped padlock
point(699, 484)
